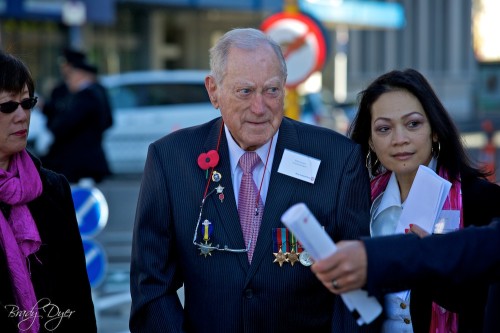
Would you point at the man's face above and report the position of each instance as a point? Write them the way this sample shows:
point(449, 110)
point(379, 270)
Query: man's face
point(251, 96)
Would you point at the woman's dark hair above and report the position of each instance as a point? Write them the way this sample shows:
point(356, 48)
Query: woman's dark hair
point(450, 151)
point(14, 75)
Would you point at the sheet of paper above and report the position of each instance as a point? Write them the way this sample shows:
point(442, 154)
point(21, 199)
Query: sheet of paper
point(448, 221)
point(425, 200)
point(302, 223)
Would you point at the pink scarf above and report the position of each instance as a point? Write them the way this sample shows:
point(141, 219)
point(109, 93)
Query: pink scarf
point(442, 321)
point(19, 236)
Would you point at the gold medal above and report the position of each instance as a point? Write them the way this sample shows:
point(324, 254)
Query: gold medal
point(280, 257)
point(293, 257)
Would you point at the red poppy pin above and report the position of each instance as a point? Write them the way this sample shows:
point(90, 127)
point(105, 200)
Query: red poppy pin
point(208, 160)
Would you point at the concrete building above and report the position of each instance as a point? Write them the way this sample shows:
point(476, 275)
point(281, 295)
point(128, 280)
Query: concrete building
point(124, 35)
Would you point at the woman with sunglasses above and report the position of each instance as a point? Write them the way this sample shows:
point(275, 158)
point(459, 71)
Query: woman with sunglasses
point(43, 281)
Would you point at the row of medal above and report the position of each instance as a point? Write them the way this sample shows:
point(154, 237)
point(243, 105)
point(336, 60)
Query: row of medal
point(282, 238)
point(286, 249)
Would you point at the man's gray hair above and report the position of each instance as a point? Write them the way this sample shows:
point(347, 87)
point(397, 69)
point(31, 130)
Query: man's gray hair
point(242, 38)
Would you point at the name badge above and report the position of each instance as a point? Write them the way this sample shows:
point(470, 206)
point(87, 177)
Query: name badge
point(299, 166)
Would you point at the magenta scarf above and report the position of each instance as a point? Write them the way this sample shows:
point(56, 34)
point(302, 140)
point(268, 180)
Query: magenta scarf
point(19, 236)
point(442, 321)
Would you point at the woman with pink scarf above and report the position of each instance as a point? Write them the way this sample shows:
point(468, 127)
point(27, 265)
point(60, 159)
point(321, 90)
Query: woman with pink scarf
point(400, 125)
point(43, 280)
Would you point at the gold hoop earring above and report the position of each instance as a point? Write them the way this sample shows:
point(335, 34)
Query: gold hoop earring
point(368, 161)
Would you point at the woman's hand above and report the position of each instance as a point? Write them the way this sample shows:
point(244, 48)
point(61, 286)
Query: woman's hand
point(417, 231)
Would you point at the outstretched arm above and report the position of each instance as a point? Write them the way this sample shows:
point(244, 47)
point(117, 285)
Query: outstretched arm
point(400, 262)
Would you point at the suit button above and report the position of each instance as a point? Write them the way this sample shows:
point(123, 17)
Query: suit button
point(407, 321)
point(248, 293)
point(403, 306)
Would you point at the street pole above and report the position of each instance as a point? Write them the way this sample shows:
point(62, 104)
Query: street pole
point(292, 100)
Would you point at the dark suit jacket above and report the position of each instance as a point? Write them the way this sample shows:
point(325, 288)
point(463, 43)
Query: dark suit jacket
point(58, 270)
point(223, 292)
point(78, 129)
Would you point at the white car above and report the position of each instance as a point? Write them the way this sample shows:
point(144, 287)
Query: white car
point(148, 105)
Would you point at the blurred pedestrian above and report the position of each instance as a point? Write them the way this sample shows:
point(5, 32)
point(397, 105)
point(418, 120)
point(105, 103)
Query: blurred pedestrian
point(59, 96)
point(43, 280)
point(78, 119)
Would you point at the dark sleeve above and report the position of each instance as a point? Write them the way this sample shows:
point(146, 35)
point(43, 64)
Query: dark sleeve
point(102, 98)
point(401, 262)
point(354, 199)
point(154, 273)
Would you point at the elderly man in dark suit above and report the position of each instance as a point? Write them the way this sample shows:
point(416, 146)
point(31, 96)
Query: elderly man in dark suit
point(207, 220)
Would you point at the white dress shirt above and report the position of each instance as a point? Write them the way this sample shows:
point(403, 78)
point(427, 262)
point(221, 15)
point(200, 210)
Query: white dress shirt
point(384, 217)
point(235, 152)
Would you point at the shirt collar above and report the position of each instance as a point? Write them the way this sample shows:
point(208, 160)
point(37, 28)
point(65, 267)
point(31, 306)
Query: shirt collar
point(433, 164)
point(235, 151)
point(392, 196)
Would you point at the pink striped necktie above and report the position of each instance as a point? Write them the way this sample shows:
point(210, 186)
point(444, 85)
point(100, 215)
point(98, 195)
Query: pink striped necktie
point(250, 213)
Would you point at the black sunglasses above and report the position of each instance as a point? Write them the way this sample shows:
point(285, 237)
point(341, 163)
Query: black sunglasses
point(11, 106)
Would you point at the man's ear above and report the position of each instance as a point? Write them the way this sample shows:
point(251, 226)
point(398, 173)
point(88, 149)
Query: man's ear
point(211, 87)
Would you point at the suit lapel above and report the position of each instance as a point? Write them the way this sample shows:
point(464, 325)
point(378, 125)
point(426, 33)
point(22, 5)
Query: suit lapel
point(227, 210)
point(280, 192)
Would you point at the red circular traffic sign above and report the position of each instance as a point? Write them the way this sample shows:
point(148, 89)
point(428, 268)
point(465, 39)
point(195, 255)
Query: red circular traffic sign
point(302, 41)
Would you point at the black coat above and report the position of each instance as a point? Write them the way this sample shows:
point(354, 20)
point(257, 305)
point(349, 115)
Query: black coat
point(57, 103)
point(58, 271)
point(78, 129)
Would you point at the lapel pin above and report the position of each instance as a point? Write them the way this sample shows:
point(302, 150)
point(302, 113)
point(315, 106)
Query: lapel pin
point(216, 176)
point(219, 190)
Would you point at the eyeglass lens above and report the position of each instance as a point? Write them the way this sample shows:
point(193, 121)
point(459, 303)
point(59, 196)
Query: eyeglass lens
point(11, 106)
